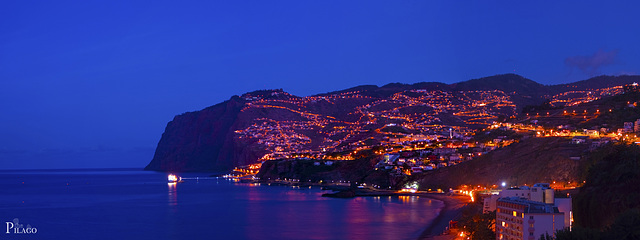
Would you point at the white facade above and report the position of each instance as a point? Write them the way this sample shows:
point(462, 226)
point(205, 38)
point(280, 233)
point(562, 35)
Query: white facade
point(517, 218)
point(558, 211)
point(489, 203)
point(540, 192)
point(564, 205)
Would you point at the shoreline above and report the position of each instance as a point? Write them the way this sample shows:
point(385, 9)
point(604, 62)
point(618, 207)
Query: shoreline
point(452, 209)
point(453, 206)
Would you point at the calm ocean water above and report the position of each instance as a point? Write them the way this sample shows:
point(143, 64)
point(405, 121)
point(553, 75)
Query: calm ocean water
point(133, 204)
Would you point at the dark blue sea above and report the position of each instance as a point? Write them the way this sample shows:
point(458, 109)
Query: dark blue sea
point(134, 204)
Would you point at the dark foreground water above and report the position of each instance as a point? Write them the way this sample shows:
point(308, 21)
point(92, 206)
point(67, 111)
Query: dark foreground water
point(132, 204)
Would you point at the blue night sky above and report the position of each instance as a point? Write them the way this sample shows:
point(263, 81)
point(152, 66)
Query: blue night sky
point(92, 84)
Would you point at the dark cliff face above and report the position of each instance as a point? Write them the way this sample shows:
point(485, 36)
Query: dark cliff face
point(199, 141)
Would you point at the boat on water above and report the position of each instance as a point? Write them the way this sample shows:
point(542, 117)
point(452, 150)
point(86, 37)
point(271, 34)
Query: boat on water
point(174, 179)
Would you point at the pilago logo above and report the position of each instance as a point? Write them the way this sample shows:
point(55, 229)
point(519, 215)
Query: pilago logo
point(15, 227)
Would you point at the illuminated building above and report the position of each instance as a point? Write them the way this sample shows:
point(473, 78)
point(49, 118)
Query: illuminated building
point(518, 218)
point(540, 193)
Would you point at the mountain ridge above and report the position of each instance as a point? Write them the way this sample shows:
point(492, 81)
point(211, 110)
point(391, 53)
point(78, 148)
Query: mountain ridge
point(247, 128)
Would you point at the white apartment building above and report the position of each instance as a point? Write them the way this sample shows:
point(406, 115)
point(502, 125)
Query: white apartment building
point(517, 218)
point(540, 192)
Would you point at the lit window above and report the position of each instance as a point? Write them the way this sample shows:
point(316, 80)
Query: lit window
point(515, 213)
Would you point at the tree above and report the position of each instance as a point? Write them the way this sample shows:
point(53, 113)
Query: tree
point(546, 236)
point(480, 225)
point(578, 233)
point(612, 186)
point(626, 226)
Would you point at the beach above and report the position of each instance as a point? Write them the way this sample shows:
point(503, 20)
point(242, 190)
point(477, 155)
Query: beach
point(453, 206)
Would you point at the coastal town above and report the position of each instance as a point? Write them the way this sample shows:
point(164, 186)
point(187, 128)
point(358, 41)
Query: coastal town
point(417, 141)
point(320, 120)
point(408, 144)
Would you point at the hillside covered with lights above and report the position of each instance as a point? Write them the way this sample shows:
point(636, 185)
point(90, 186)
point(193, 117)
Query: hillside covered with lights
point(273, 124)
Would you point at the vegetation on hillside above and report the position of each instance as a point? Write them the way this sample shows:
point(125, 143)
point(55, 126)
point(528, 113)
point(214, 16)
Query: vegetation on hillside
point(394, 129)
point(623, 110)
point(626, 226)
point(484, 135)
point(612, 186)
point(551, 157)
point(608, 205)
point(545, 106)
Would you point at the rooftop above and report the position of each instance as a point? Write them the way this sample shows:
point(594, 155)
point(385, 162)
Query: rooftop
point(530, 206)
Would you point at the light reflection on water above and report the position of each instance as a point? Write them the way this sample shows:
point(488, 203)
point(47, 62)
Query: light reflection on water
point(173, 193)
point(140, 205)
